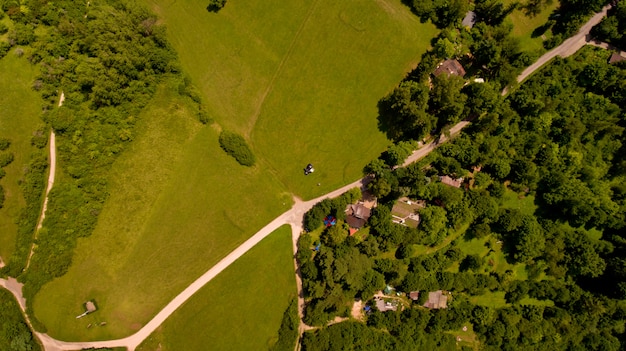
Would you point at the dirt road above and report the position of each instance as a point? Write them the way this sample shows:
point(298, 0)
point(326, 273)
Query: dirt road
point(569, 46)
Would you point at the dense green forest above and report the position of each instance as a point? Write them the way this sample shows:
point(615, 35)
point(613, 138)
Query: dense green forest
point(540, 219)
point(14, 333)
point(107, 59)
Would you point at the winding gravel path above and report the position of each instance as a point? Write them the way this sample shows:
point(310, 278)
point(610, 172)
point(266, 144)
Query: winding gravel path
point(53, 167)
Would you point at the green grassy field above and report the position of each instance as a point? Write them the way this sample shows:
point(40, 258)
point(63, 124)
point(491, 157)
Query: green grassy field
point(301, 79)
point(322, 106)
point(178, 204)
point(490, 299)
point(526, 204)
point(20, 111)
point(524, 25)
point(241, 309)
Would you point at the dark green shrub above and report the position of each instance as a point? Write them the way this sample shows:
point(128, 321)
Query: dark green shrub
point(22, 34)
point(4, 144)
point(5, 159)
point(204, 117)
point(288, 332)
point(236, 146)
point(215, 5)
point(4, 48)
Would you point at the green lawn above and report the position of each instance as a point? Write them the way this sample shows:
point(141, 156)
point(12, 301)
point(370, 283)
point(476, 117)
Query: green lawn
point(20, 109)
point(300, 78)
point(468, 337)
point(490, 299)
point(178, 204)
point(425, 250)
point(525, 204)
point(524, 25)
point(241, 309)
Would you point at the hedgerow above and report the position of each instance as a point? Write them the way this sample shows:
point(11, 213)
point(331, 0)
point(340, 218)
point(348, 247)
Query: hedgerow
point(236, 146)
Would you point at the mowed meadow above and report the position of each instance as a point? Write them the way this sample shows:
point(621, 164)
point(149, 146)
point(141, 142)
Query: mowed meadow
point(178, 205)
point(20, 111)
point(241, 309)
point(301, 81)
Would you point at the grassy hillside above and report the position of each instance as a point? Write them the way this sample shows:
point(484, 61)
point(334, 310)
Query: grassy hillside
point(241, 309)
point(301, 79)
point(322, 106)
point(20, 109)
point(524, 25)
point(178, 204)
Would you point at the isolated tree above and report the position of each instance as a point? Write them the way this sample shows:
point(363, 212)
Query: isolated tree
point(215, 5)
point(473, 262)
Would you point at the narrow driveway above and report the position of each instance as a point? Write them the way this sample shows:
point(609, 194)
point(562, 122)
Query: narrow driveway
point(569, 46)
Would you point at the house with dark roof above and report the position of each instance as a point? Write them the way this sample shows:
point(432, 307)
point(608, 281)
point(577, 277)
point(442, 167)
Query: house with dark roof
point(449, 67)
point(356, 216)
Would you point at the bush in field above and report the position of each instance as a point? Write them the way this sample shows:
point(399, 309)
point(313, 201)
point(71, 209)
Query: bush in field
point(4, 144)
point(236, 146)
point(215, 5)
point(5, 159)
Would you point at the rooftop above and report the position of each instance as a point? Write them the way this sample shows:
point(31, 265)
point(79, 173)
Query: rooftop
point(404, 211)
point(384, 306)
point(450, 67)
point(615, 57)
point(469, 20)
point(447, 180)
point(436, 300)
point(90, 306)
